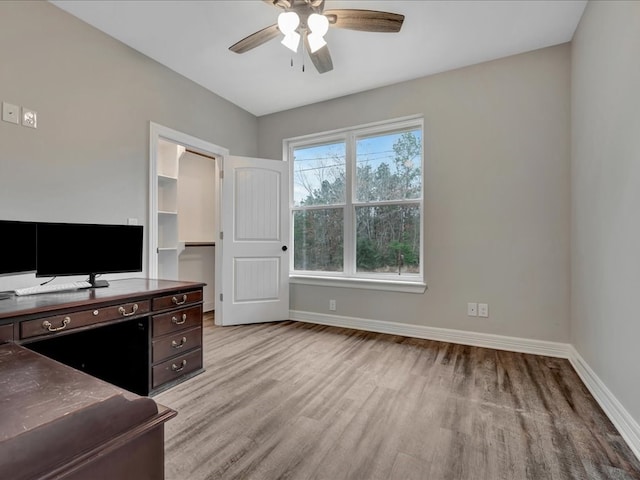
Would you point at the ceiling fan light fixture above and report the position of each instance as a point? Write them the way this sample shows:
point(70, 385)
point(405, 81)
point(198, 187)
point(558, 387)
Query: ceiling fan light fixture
point(316, 42)
point(288, 23)
point(319, 25)
point(308, 18)
point(291, 41)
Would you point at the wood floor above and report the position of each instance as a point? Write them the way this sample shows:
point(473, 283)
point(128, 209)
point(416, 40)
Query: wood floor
point(298, 401)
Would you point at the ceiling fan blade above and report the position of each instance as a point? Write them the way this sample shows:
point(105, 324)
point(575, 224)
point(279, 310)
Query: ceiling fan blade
point(321, 59)
point(279, 3)
point(365, 20)
point(255, 39)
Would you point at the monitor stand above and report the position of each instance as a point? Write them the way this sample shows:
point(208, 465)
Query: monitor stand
point(97, 283)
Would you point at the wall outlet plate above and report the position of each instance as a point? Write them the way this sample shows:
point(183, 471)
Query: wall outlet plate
point(483, 310)
point(472, 309)
point(10, 113)
point(29, 118)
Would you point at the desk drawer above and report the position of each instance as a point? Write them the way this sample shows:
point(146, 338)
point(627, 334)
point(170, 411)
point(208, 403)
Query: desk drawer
point(177, 320)
point(6, 333)
point(176, 367)
point(177, 299)
point(174, 344)
point(49, 325)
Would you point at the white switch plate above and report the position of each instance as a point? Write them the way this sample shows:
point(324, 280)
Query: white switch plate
point(10, 113)
point(472, 309)
point(332, 305)
point(483, 310)
point(132, 221)
point(29, 118)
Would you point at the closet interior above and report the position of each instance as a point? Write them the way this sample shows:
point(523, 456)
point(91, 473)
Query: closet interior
point(186, 216)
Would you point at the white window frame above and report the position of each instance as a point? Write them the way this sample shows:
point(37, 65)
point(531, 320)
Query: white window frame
point(350, 277)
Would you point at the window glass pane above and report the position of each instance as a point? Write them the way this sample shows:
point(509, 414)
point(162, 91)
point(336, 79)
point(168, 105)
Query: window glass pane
point(319, 174)
point(388, 167)
point(318, 239)
point(388, 239)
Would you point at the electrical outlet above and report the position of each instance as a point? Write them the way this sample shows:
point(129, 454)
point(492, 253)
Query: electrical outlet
point(29, 118)
point(472, 309)
point(483, 310)
point(332, 305)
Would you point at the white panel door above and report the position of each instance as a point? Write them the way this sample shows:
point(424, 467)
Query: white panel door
point(255, 228)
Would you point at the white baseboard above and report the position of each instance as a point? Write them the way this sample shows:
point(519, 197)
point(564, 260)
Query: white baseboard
point(619, 416)
point(498, 342)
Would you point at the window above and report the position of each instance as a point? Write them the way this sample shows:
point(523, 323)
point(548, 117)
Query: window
point(356, 205)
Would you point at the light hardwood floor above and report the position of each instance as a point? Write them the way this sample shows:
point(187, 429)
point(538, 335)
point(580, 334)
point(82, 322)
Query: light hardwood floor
point(297, 401)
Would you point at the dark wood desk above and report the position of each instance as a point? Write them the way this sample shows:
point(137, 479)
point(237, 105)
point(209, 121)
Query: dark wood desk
point(59, 423)
point(142, 335)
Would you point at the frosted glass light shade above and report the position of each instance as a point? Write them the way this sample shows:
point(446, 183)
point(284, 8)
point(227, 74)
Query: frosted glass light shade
point(291, 41)
point(287, 23)
point(316, 42)
point(319, 25)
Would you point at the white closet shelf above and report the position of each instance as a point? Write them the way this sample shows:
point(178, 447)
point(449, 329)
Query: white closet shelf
point(199, 244)
point(167, 178)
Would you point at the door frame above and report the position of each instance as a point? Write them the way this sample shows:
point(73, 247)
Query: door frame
point(157, 132)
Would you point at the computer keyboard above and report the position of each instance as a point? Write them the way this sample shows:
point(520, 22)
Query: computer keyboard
point(54, 287)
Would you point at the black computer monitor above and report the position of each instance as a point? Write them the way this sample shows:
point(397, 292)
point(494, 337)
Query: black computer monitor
point(88, 249)
point(17, 247)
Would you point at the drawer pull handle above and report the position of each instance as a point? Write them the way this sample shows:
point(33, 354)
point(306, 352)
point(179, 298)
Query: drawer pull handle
point(181, 321)
point(177, 368)
point(179, 302)
point(175, 344)
point(124, 313)
point(47, 325)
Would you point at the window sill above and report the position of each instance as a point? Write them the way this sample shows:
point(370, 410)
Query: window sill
point(361, 283)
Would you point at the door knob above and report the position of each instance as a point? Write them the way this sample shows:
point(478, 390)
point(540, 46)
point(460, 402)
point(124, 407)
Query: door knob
point(284, 248)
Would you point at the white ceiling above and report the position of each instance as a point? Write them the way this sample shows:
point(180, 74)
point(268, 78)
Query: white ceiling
point(193, 37)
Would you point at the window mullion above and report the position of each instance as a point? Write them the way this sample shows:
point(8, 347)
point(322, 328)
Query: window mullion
point(349, 213)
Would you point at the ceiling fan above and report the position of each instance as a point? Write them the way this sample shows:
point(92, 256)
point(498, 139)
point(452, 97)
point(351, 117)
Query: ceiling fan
point(309, 21)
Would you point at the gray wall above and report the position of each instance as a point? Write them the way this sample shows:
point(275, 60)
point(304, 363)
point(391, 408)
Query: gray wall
point(605, 171)
point(497, 201)
point(88, 159)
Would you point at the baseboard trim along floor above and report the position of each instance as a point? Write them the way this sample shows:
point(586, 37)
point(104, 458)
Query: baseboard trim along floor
point(619, 416)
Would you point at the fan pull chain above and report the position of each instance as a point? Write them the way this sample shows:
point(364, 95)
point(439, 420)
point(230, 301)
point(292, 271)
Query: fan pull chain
point(303, 60)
